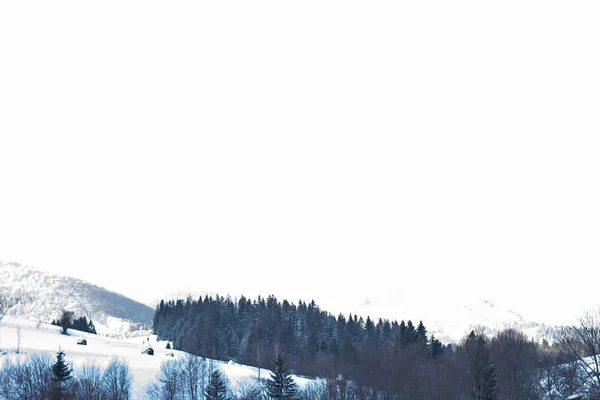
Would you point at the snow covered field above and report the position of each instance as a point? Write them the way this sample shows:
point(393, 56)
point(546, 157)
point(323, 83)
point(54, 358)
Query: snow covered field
point(100, 350)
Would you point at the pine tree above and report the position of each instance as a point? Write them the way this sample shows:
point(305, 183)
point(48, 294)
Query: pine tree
point(216, 389)
point(421, 333)
point(61, 372)
point(435, 347)
point(281, 386)
point(483, 373)
point(91, 328)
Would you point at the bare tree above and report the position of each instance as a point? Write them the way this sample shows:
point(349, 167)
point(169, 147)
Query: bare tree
point(549, 367)
point(19, 337)
point(583, 344)
point(315, 390)
point(253, 390)
point(34, 378)
point(516, 361)
point(170, 379)
point(117, 381)
point(192, 374)
point(89, 383)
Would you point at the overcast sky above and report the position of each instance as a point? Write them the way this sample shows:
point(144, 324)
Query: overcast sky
point(303, 148)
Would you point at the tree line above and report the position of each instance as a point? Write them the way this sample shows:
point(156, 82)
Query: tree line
point(363, 359)
point(67, 321)
point(315, 342)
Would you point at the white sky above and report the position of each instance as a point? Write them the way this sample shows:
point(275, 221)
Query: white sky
point(303, 148)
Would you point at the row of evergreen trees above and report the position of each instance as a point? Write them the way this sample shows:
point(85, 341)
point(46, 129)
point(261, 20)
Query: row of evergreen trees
point(67, 321)
point(315, 342)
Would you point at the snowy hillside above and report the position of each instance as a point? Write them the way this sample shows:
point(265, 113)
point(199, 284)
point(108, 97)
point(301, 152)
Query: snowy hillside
point(100, 350)
point(40, 296)
point(449, 316)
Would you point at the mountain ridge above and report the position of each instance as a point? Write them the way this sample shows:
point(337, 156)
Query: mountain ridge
point(39, 295)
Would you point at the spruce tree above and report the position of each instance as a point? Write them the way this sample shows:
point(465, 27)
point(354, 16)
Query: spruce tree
point(216, 389)
point(91, 328)
point(483, 373)
point(281, 386)
point(435, 347)
point(61, 374)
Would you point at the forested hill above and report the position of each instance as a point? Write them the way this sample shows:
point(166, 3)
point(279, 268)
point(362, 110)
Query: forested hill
point(315, 342)
point(34, 294)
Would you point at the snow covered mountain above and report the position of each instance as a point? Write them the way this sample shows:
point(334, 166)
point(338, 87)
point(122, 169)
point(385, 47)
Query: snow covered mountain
point(449, 316)
point(41, 296)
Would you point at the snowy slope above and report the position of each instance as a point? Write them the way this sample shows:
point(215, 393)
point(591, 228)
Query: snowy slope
point(40, 296)
point(101, 350)
point(449, 316)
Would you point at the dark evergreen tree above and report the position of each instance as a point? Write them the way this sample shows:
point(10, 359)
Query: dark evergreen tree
point(65, 321)
point(421, 334)
point(80, 324)
point(316, 343)
point(216, 389)
point(61, 374)
point(91, 328)
point(435, 347)
point(483, 374)
point(281, 386)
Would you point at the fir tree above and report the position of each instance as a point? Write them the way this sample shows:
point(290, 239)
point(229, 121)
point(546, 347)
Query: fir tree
point(216, 389)
point(281, 386)
point(61, 374)
point(91, 328)
point(436, 347)
point(483, 374)
point(421, 333)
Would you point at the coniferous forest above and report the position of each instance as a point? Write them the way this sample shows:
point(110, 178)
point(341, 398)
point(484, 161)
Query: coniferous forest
point(315, 342)
point(362, 358)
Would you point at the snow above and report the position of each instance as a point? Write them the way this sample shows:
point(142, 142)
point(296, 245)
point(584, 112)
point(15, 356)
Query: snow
point(100, 350)
point(38, 295)
point(449, 315)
